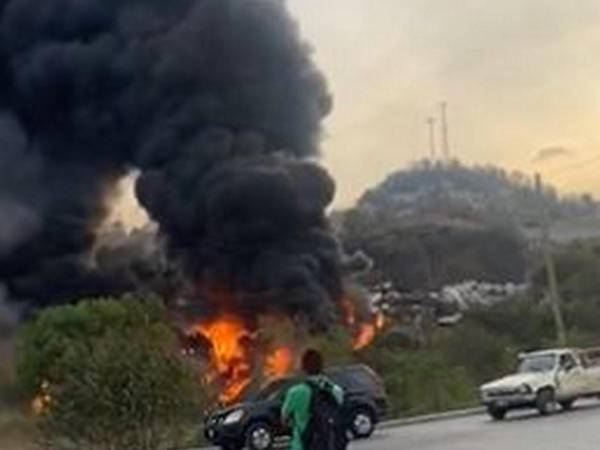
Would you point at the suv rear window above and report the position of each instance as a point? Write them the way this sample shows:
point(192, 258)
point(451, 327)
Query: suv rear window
point(273, 389)
point(354, 376)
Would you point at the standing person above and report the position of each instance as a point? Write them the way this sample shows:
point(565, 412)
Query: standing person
point(313, 409)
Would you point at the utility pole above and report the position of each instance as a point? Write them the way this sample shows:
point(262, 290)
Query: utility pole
point(431, 126)
point(553, 293)
point(444, 119)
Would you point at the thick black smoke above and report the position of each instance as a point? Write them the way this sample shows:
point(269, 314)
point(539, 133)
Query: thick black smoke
point(216, 102)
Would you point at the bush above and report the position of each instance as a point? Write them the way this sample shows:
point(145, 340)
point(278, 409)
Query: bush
point(420, 381)
point(483, 355)
point(335, 346)
point(525, 323)
point(582, 317)
point(112, 376)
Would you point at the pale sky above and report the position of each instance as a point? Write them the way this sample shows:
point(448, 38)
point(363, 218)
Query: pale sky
point(519, 76)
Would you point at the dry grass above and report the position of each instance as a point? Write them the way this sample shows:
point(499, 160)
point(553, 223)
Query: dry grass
point(16, 432)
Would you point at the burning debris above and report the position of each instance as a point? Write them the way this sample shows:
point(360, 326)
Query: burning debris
point(238, 355)
point(365, 332)
point(357, 316)
point(229, 344)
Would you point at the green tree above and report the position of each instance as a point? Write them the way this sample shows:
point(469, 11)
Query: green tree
point(111, 375)
point(578, 271)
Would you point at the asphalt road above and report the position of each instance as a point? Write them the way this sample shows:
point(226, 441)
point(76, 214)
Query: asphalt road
point(578, 429)
point(575, 430)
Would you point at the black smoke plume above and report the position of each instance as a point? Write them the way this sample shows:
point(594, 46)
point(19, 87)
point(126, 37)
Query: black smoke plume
point(216, 103)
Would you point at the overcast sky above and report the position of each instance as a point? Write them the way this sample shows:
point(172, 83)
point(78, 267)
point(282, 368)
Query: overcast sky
point(520, 76)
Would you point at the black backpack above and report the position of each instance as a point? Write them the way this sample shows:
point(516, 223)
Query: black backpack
point(325, 429)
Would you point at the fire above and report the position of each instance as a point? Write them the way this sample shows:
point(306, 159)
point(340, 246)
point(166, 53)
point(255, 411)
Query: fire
point(363, 331)
point(229, 354)
point(348, 311)
point(235, 348)
point(41, 403)
point(379, 321)
point(364, 336)
point(279, 363)
point(233, 356)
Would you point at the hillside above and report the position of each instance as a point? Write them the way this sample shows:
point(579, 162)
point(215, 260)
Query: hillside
point(434, 225)
point(450, 191)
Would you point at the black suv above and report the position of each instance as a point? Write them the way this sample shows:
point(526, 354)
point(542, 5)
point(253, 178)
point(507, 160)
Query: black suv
point(256, 423)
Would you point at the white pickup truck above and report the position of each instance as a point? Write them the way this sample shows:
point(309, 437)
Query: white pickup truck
point(544, 380)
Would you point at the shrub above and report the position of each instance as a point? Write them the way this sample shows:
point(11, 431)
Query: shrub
point(482, 354)
point(421, 381)
point(112, 376)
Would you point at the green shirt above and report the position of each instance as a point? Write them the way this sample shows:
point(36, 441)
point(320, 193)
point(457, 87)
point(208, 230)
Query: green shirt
point(296, 406)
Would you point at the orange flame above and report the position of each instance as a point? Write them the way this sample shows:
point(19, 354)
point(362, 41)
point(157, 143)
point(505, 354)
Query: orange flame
point(364, 336)
point(229, 354)
point(367, 331)
point(349, 312)
point(363, 331)
point(279, 363)
point(41, 403)
point(379, 321)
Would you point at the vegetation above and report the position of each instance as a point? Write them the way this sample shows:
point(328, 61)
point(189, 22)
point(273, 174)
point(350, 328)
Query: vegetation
point(108, 374)
point(488, 192)
point(443, 223)
point(429, 256)
point(421, 381)
point(114, 377)
point(15, 428)
point(446, 370)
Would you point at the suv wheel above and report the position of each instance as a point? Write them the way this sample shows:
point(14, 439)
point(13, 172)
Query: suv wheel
point(362, 424)
point(259, 436)
point(545, 402)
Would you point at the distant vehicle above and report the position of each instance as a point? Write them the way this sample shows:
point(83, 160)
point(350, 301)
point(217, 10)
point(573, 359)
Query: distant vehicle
point(544, 380)
point(256, 422)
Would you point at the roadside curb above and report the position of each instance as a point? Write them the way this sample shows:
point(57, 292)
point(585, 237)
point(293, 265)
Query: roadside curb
point(456, 414)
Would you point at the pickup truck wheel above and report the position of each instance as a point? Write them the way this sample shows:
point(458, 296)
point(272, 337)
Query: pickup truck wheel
point(545, 402)
point(496, 413)
point(259, 436)
point(566, 405)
